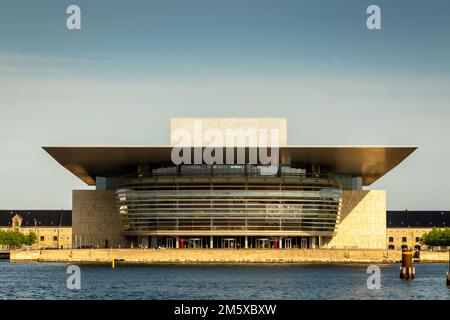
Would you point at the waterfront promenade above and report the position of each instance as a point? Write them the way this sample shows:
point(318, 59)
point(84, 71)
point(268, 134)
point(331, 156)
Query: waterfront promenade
point(219, 256)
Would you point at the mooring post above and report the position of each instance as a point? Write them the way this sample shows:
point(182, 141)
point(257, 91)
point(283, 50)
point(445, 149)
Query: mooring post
point(448, 273)
point(407, 271)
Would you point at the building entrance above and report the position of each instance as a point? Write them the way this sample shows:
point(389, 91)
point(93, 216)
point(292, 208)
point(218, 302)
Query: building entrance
point(195, 243)
point(287, 243)
point(304, 243)
point(263, 243)
point(169, 243)
point(237, 242)
point(228, 243)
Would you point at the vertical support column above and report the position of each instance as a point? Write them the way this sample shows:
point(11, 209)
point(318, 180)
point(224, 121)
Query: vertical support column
point(320, 242)
point(447, 274)
point(144, 241)
point(211, 242)
point(153, 241)
point(281, 243)
point(246, 242)
point(177, 242)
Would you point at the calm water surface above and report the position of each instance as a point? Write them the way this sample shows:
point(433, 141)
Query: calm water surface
point(48, 281)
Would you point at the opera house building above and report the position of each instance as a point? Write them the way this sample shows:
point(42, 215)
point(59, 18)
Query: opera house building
point(308, 197)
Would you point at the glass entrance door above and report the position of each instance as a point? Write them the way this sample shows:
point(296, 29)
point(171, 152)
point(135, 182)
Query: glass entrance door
point(229, 243)
point(287, 243)
point(304, 243)
point(262, 243)
point(169, 242)
point(195, 243)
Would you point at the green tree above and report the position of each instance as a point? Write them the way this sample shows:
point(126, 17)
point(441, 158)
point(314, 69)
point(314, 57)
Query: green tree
point(30, 239)
point(14, 238)
point(10, 238)
point(437, 237)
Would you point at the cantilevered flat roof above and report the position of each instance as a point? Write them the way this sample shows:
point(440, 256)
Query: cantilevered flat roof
point(369, 162)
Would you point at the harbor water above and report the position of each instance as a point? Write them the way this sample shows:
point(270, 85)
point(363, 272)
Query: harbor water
point(312, 281)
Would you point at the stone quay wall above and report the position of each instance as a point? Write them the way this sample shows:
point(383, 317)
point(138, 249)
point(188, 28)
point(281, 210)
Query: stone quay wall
point(231, 256)
point(168, 256)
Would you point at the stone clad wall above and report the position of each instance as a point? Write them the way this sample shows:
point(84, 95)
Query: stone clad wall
point(223, 124)
point(209, 256)
point(438, 256)
point(95, 219)
point(362, 220)
point(221, 256)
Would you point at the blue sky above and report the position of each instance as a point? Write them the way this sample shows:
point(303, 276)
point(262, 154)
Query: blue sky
point(136, 64)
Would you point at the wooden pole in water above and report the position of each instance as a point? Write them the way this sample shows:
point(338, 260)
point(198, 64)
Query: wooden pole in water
point(407, 271)
point(448, 273)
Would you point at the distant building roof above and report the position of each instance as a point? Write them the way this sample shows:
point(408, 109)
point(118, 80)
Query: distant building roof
point(44, 218)
point(418, 219)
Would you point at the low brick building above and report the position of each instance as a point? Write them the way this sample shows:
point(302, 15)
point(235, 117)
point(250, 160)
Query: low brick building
point(53, 228)
point(404, 229)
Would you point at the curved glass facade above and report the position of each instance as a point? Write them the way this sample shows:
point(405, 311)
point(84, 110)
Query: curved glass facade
point(228, 200)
